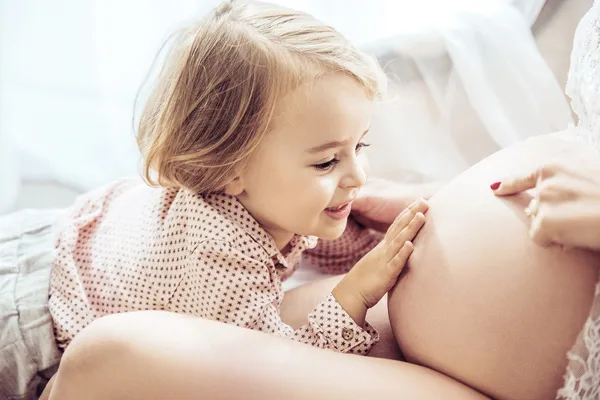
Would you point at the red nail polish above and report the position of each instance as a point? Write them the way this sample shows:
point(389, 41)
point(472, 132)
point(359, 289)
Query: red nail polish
point(495, 185)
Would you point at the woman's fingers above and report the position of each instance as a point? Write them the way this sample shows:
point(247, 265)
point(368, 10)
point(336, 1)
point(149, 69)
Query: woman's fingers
point(518, 184)
point(515, 185)
point(539, 230)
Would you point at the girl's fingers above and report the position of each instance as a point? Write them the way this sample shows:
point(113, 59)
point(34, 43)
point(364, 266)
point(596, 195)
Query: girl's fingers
point(406, 216)
point(413, 227)
point(397, 263)
point(407, 234)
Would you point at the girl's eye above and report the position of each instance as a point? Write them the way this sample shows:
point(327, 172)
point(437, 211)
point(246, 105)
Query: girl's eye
point(360, 146)
point(326, 165)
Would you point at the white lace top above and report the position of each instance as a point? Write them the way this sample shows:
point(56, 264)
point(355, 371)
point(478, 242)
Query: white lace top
point(582, 377)
point(583, 85)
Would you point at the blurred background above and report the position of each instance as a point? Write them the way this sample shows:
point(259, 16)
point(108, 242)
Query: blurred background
point(466, 78)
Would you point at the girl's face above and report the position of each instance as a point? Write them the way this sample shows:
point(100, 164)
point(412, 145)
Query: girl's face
point(311, 163)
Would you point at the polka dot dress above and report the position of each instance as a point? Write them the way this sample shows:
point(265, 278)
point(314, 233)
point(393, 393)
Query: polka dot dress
point(128, 247)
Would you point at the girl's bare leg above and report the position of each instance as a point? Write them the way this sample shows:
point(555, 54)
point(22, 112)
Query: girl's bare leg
point(158, 355)
point(300, 301)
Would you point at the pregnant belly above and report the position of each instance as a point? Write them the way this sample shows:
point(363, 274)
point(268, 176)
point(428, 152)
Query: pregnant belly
point(478, 300)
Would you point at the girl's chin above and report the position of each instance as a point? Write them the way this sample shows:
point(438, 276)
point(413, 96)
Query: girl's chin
point(332, 232)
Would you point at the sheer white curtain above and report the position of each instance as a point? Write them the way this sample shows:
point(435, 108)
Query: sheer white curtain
point(70, 70)
point(466, 82)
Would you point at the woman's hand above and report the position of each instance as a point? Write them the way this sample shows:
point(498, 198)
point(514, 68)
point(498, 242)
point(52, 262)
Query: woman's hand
point(377, 272)
point(565, 209)
point(380, 201)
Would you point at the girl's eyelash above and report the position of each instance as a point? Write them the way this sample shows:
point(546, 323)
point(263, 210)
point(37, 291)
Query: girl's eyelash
point(326, 165)
point(331, 163)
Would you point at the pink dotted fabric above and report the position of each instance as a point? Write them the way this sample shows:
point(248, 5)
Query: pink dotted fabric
point(128, 247)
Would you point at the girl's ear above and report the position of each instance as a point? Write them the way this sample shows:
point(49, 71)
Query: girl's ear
point(235, 187)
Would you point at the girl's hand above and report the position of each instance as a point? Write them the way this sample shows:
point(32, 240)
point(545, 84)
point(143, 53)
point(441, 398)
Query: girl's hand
point(377, 272)
point(565, 209)
point(380, 201)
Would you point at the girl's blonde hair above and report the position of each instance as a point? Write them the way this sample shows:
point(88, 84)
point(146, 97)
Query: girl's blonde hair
point(217, 91)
